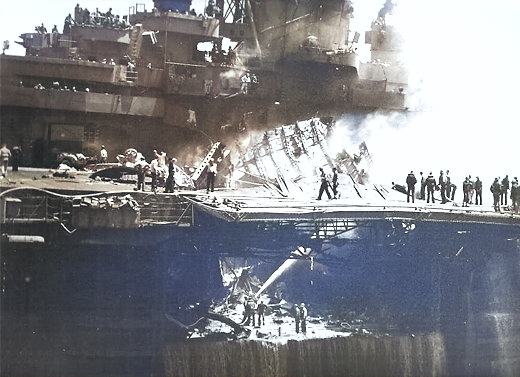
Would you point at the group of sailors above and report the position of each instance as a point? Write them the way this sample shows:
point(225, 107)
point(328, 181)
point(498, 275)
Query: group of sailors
point(500, 189)
point(219, 56)
point(300, 317)
point(49, 39)
point(14, 155)
point(82, 16)
point(162, 169)
point(472, 190)
point(327, 182)
point(253, 310)
point(41, 29)
point(248, 81)
point(55, 85)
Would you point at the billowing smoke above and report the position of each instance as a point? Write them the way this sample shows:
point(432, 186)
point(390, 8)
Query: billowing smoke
point(231, 74)
point(191, 155)
point(387, 8)
point(463, 59)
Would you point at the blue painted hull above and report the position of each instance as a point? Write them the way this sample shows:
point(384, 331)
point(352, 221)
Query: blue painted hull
point(104, 295)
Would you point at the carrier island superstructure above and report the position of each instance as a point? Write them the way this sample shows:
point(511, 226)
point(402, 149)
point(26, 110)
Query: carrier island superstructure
point(168, 72)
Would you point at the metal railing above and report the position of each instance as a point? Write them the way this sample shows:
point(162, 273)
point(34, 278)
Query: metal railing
point(31, 205)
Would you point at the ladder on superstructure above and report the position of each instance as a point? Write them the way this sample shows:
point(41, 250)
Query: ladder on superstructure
point(135, 41)
point(134, 48)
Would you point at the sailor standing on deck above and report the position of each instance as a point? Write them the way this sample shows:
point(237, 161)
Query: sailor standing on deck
point(16, 157)
point(515, 194)
point(478, 191)
point(141, 167)
point(261, 313)
point(303, 318)
point(471, 189)
point(246, 81)
point(422, 195)
point(170, 181)
point(210, 176)
point(442, 184)
point(154, 172)
point(103, 154)
point(410, 182)
point(297, 317)
point(335, 183)
point(448, 184)
point(430, 186)
point(324, 185)
point(5, 155)
point(249, 312)
point(465, 190)
point(496, 190)
point(504, 190)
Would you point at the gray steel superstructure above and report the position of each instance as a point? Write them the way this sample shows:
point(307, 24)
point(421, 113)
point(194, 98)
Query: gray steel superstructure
point(123, 84)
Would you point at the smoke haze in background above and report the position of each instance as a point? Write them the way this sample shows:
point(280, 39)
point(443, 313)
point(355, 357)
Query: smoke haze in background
point(463, 59)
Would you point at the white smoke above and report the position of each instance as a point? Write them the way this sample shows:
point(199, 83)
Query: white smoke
point(463, 59)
